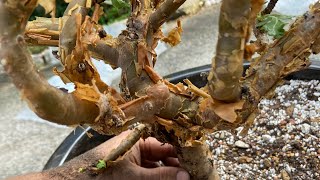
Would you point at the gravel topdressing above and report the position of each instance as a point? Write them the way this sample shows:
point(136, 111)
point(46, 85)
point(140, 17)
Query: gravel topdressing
point(283, 142)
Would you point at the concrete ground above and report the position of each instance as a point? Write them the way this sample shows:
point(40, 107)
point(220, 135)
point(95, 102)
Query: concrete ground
point(25, 145)
point(199, 38)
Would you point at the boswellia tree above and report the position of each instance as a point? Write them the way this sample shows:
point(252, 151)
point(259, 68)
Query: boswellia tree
point(178, 114)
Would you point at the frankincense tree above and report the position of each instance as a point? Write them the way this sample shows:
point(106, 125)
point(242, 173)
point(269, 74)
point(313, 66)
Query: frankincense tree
point(173, 113)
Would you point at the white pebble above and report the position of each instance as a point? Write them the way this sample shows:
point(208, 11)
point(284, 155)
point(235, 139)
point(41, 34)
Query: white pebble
point(305, 128)
point(4, 62)
point(241, 144)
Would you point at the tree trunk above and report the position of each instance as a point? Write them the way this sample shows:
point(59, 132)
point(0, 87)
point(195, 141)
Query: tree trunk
point(200, 168)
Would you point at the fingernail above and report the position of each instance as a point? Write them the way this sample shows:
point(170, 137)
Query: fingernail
point(183, 175)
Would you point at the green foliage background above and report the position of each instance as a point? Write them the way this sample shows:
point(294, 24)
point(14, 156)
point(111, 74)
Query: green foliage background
point(120, 10)
point(273, 24)
point(117, 11)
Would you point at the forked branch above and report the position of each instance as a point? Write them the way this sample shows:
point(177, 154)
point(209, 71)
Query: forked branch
point(46, 101)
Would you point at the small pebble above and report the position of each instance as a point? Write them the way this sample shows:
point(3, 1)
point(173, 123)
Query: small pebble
point(267, 163)
point(244, 159)
point(305, 128)
point(285, 175)
point(241, 144)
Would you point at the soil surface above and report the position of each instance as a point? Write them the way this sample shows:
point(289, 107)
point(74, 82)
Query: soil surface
point(284, 141)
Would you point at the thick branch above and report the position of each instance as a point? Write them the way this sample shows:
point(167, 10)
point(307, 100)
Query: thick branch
point(101, 50)
point(162, 13)
point(68, 35)
point(48, 102)
point(149, 105)
point(188, 142)
point(227, 68)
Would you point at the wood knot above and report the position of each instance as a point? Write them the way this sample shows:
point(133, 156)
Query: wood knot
point(148, 106)
point(102, 33)
point(20, 39)
point(81, 67)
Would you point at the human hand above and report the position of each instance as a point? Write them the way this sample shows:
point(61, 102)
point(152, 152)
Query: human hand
point(141, 162)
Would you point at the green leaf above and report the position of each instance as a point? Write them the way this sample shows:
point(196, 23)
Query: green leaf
point(101, 164)
point(120, 4)
point(273, 24)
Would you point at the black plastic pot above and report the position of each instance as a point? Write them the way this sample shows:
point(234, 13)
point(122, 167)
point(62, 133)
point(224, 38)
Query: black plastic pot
point(78, 142)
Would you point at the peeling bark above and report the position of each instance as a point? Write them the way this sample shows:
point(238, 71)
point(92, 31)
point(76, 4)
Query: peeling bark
point(67, 39)
point(286, 55)
point(178, 114)
point(227, 68)
point(46, 101)
point(44, 31)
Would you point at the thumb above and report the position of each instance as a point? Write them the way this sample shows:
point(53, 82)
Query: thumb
point(164, 173)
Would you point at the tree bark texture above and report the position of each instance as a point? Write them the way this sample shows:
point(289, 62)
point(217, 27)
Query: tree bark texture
point(224, 79)
point(178, 114)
